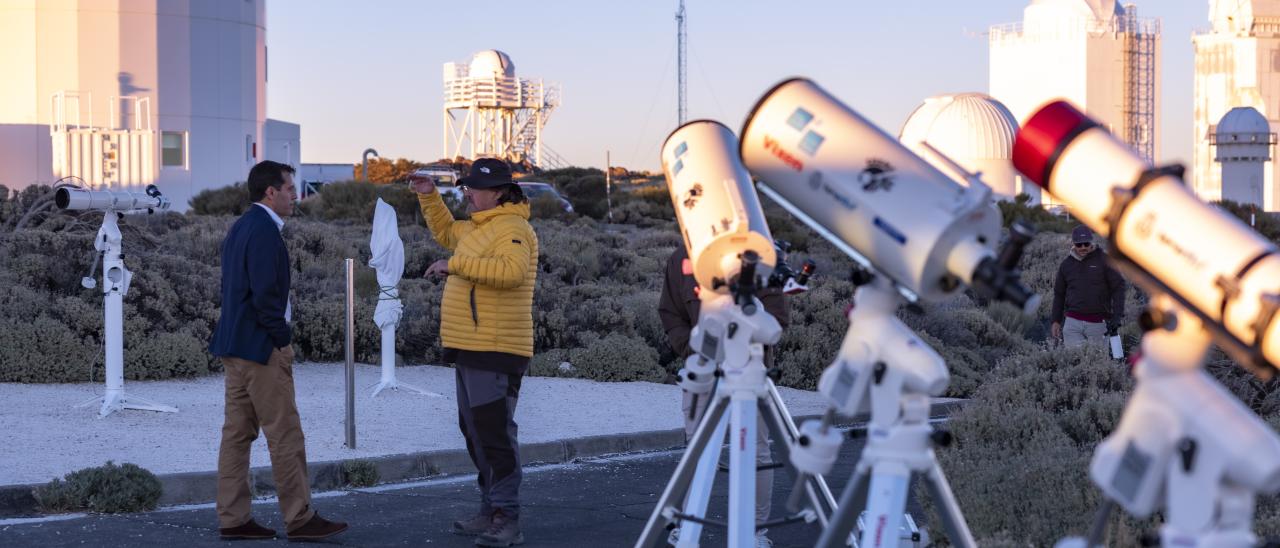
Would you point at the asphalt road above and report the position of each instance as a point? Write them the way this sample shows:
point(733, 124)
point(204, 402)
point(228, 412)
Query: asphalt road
point(593, 503)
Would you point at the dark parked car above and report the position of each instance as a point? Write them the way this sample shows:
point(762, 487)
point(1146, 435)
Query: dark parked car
point(538, 190)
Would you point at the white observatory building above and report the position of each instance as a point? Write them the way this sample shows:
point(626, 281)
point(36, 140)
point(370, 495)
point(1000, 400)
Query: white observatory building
point(975, 131)
point(491, 112)
point(1237, 65)
point(1242, 141)
point(1095, 53)
point(134, 92)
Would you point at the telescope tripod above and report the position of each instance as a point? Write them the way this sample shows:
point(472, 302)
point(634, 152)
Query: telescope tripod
point(883, 366)
point(727, 334)
point(115, 282)
point(1186, 439)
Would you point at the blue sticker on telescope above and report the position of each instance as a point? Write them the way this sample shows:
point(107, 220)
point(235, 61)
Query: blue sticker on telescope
point(675, 170)
point(681, 149)
point(799, 118)
point(892, 232)
point(811, 142)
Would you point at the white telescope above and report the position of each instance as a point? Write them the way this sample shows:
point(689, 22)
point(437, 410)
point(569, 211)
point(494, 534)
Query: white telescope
point(731, 252)
point(1183, 443)
point(716, 204)
point(918, 234)
point(116, 278)
point(77, 198)
point(1211, 262)
point(879, 202)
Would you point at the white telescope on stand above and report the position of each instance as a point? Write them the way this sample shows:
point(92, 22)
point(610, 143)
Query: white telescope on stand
point(917, 234)
point(731, 252)
point(1184, 444)
point(115, 282)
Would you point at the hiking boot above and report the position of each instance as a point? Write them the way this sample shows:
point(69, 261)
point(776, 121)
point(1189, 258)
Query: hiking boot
point(503, 532)
point(474, 525)
point(316, 529)
point(249, 531)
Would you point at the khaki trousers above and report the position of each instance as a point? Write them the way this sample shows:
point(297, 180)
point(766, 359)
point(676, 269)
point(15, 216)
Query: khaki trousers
point(261, 395)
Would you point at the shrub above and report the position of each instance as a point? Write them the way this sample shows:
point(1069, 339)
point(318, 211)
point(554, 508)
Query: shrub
point(106, 489)
point(1029, 432)
point(359, 473)
point(228, 200)
point(1044, 221)
point(617, 357)
point(354, 201)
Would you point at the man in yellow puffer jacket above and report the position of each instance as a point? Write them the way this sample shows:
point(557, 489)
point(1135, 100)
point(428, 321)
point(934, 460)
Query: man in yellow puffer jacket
point(486, 331)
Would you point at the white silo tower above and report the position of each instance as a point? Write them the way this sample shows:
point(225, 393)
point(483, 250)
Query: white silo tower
point(1095, 53)
point(171, 92)
point(1237, 65)
point(974, 130)
point(1243, 141)
point(489, 111)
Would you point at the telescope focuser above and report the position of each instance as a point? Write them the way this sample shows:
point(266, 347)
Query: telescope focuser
point(1000, 278)
point(744, 287)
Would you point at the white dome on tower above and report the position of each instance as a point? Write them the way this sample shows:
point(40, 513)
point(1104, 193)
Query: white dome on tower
point(491, 63)
point(973, 129)
point(1242, 120)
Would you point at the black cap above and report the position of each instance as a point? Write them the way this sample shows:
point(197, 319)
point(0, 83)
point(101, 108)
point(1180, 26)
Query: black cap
point(1081, 235)
point(487, 173)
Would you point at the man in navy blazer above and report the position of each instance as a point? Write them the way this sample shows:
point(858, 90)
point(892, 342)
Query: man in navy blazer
point(254, 341)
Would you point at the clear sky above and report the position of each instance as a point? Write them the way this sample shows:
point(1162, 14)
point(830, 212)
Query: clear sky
point(367, 73)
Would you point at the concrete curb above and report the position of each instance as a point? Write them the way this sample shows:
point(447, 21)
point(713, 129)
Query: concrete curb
point(201, 487)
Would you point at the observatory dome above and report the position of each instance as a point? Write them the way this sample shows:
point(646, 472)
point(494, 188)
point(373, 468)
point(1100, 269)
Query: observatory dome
point(1242, 120)
point(967, 125)
point(972, 129)
point(490, 63)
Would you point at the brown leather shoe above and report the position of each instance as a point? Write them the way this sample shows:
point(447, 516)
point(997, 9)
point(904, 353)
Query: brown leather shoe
point(316, 529)
point(249, 531)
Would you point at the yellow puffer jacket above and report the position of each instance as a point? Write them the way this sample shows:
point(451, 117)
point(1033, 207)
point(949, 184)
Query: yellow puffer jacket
point(488, 298)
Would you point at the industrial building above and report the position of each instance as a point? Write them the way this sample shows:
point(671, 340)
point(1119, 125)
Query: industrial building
point(1095, 53)
point(125, 93)
point(1237, 64)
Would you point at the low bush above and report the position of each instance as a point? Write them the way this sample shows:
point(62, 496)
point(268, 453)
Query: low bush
point(359, 473)
point(228, 200)
point(108, 489)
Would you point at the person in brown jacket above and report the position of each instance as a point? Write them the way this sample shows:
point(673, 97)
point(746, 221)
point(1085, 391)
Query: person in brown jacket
point(678, 309)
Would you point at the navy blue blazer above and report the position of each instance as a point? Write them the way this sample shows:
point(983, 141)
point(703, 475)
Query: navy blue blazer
point(255, 290)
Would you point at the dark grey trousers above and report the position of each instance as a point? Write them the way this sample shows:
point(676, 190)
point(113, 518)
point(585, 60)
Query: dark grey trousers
point(486, 416)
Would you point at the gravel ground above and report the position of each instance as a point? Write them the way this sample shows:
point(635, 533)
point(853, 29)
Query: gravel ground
point(47, 437)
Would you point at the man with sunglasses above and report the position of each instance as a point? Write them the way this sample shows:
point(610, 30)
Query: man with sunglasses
point(1088, 295)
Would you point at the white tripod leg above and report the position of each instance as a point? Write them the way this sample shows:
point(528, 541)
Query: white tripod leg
point(886, 499)
point(700, 489)
point(742, 468)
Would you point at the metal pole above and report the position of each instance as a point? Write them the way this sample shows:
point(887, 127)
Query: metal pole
point(351, 354)
point(608, 186)
point(364, 159)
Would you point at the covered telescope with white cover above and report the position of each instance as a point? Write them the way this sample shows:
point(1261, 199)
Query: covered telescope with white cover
point(388, 260)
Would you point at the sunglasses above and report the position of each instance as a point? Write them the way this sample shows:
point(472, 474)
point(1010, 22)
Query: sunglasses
point(1084, 244)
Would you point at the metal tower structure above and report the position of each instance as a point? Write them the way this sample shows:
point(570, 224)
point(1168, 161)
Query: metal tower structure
point(1140, 77)
point(490, 112)
point(681, 72)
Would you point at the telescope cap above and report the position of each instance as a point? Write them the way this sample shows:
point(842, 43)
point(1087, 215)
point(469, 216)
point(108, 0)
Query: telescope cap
point(1043, 137)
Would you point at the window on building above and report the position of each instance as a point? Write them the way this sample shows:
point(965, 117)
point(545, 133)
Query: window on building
point(173, 149)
